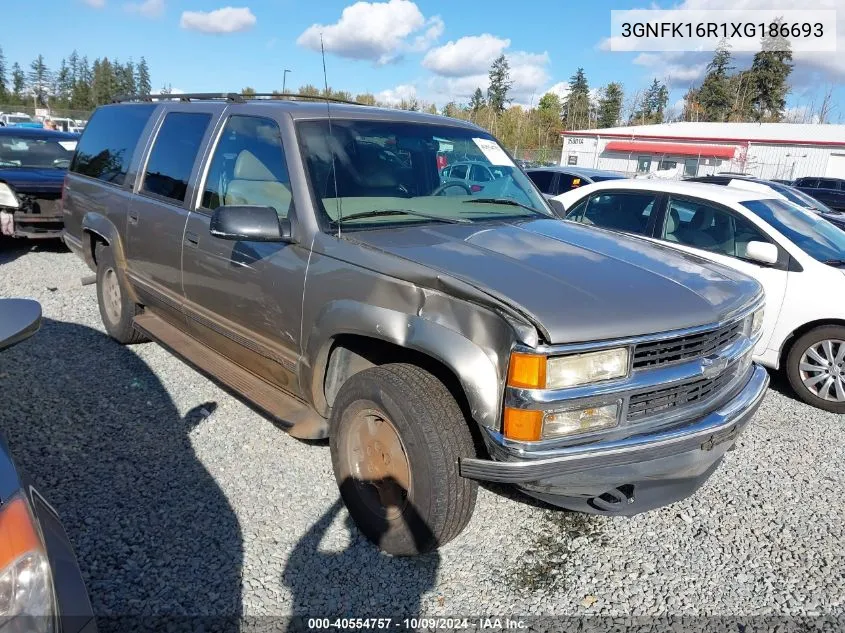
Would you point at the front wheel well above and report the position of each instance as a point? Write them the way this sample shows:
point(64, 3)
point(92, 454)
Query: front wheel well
point(352, 353)
point(801, 331)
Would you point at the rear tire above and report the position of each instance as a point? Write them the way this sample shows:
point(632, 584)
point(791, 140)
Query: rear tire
point(815, 367)
point(117, 310)
point(396, 438)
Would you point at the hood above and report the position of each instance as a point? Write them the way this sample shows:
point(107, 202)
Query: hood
point(31, 180)
point(579, 283)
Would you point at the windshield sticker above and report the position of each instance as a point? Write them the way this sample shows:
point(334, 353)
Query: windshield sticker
point(68, 145)
point(495, 154)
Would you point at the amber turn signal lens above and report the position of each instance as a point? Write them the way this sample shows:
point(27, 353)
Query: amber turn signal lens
point(523, 425)
point(527, 371)
point(17, 532)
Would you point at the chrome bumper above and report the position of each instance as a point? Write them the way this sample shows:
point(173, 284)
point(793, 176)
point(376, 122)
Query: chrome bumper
point(641, 471)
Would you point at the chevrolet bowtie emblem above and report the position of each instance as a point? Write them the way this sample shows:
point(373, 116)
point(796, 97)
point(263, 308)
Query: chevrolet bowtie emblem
point(713, 366)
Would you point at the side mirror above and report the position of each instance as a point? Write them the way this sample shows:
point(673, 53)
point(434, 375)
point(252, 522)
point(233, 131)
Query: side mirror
point(762, 252)
point(557, 207)
point(252, 223)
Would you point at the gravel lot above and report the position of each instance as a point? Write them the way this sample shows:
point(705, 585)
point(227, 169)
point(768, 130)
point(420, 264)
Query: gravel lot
point(179, 499)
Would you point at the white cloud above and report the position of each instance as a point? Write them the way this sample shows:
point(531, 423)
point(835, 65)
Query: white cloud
point(225, 20)
point(675, 67)
point(377, 31)
point(394, 96)
point(467, 56)
point(462, 65)
point(147, 8)
point(96, 4)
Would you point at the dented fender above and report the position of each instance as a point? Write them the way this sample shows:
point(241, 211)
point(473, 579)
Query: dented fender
point(476, 361)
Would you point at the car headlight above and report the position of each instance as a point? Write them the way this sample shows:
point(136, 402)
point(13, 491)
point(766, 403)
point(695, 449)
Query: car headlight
point(576, 421)
point(534, 371)
point(7, 197)
point(26, 583)
point(757, 321)
point(581, 369)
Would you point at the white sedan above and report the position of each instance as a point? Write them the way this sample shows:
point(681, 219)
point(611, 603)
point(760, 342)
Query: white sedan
point(797, 256)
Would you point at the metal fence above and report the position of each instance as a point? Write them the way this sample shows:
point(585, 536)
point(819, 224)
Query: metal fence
point(53, 112)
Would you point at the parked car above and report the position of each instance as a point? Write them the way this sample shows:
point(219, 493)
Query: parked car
point(437, 338)
point(16, 119)
point(797, 256)
point(33, 164)
point(830, 191)
point(552, 181)
point(780, 190)
point(41, 586)
point(471, 176)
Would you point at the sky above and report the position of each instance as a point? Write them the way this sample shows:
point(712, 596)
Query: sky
point(434, 50)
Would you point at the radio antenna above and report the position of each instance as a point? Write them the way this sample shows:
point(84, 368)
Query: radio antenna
point(331, 138)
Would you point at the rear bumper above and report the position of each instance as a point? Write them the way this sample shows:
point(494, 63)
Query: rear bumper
point(630, 475)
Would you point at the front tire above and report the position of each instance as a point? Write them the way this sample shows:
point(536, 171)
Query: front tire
point(117, 309)
point(396, 438)
point(815, 367)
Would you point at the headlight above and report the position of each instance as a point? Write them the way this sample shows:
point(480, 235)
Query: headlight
point(562, 423)
point(26, 584)
point(580, 369)
point(7, 197)
point(756, 321)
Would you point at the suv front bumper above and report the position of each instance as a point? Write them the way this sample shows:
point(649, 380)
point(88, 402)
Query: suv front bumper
point(630, 475)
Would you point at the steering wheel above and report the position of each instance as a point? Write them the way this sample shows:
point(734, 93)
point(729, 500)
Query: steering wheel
point(439, 191)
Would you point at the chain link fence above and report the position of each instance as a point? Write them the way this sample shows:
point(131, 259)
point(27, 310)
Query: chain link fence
point(52, 112)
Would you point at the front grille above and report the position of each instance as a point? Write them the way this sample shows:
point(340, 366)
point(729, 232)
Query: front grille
point(644, 405)
point(685, 347)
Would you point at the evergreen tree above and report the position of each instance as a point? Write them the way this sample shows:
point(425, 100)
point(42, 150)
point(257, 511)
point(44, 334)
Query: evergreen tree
point(451, 109)
point(610, 105)
point(652, 108)
point(770, 70)
point(39, 79)
point(64, 84)
point(4, 81)
point(576, 106)
point(713, 95)
point(73, 64)
point(500, 85)
point(477, 101)
point(142, 79)
point(309, 90)
point(18, 81)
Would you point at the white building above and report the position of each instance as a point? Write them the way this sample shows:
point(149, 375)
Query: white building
point(674, 150)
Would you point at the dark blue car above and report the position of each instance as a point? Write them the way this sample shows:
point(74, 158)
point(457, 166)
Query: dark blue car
point(33, 163)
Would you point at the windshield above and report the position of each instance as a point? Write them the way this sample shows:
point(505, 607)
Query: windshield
point(30, 152)
point(814, 235)
point(19, 119)
point(419, 173)
point(800, 198)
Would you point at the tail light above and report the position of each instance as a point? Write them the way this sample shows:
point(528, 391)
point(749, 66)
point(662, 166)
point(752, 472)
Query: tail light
point(476, 188)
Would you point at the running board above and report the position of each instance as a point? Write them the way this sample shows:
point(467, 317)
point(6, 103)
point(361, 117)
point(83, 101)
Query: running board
point(293, 415)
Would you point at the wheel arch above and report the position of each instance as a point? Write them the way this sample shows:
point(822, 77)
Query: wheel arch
point(800, 331)
point(351, 336)
point(97, 228)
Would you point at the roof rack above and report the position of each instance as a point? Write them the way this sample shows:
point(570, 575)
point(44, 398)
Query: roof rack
point(233, 97)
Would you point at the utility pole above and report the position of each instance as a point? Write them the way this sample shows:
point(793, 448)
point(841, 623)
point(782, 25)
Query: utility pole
point(284, 79)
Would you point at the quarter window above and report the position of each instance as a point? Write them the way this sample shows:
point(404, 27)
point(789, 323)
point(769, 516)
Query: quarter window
point(701, 225)
point(827, 184)
point(249, 167)
point(543, 180)
point(174, 153)
point(106, 147)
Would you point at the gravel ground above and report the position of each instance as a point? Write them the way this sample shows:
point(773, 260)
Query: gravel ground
point(179, 499)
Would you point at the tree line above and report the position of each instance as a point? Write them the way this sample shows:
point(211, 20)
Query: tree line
point(77, 83)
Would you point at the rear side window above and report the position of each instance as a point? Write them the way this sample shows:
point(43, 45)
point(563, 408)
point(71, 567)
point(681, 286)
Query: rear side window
point(173, 155)
point(623, 211)
point(458, 171)
point(543, 180)
point(828, 184)
point(567, 182)
point(106, 147)
point(808, 182)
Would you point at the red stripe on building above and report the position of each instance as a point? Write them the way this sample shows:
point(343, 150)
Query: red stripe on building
point(677, 149)
point(709, 139)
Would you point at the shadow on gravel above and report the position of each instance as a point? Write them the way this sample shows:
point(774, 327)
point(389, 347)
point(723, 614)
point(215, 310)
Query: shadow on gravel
point(97, 432)
point(12, 248)
point(358, 582)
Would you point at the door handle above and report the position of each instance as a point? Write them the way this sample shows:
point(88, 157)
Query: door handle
point(192, 239)
point(133, 217)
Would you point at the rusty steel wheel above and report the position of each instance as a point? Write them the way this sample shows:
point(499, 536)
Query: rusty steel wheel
point(117, 310)
point(373, 455)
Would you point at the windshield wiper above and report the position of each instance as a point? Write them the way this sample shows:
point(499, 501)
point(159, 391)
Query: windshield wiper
point(507, 201)
point(834, 262)
point(388, 212)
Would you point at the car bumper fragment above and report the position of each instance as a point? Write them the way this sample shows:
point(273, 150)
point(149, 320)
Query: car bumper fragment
point(634, 474)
